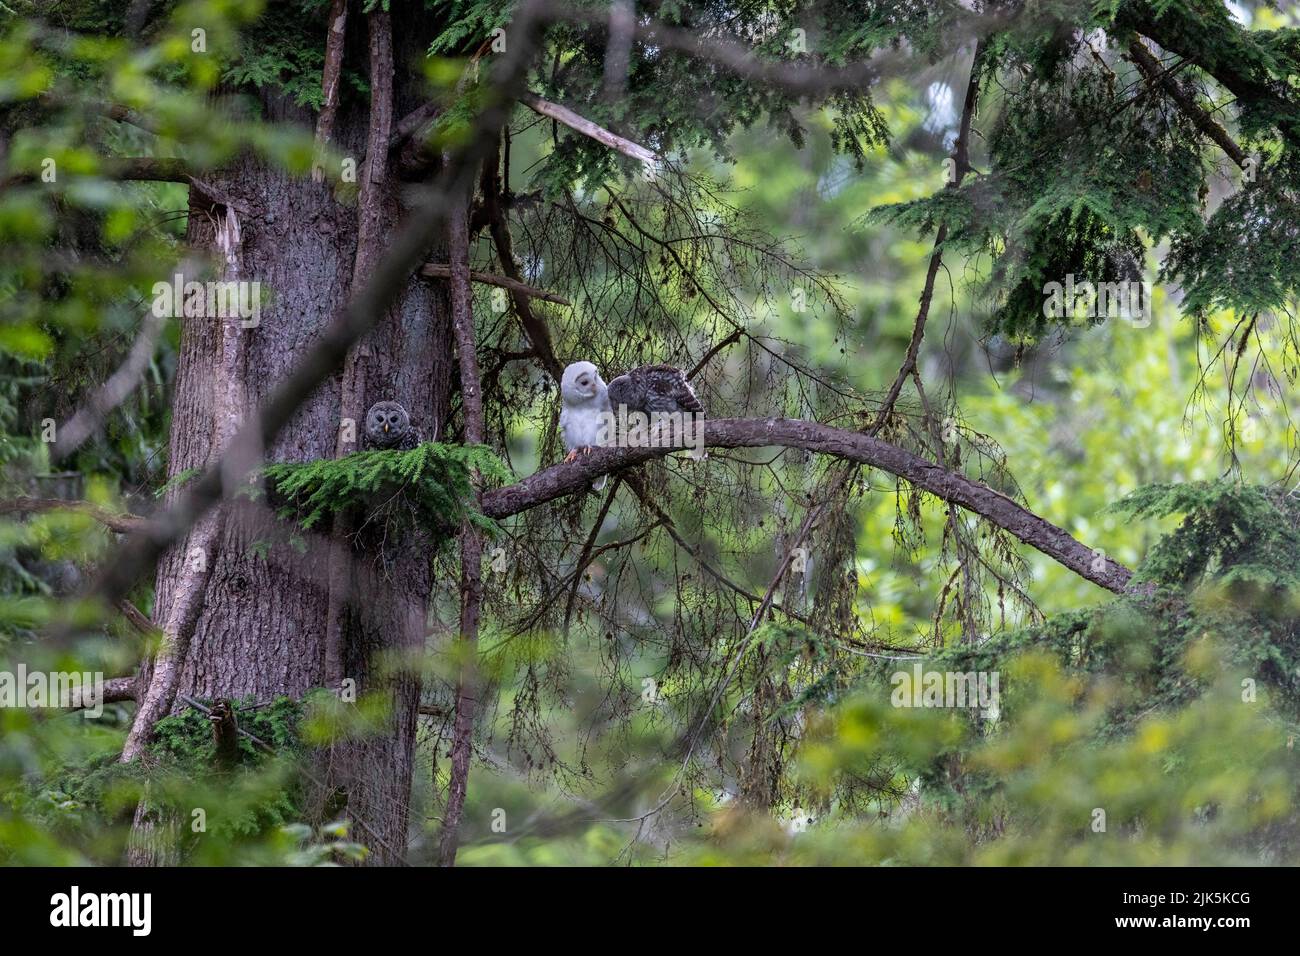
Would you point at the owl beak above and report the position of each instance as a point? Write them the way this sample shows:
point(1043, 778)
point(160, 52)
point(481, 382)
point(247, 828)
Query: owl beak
point(385, 429)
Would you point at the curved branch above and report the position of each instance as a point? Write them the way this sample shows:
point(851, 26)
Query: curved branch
point(950, 486)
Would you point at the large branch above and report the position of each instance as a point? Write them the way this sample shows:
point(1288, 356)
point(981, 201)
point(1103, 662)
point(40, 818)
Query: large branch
point(1218, 54)
point(155, 169)
point(794, 78)
point(993, 506)
point(113, 691)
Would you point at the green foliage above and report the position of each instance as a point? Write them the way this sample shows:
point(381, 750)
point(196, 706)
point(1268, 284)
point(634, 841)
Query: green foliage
point(186, 737)
point(1090, 165)
point(1241, 536)
point(429, 488)
point(329, 845)
point(1082, 178)
point(1133, 705)
point(281, 54)
point(1156, 729)
point(1247, 256)
point(90, 799)
point(1229, 575)
point(1212, 782)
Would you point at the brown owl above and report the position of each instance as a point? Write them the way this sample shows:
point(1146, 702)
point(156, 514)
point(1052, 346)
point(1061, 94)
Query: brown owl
point(389, 426)
point(652, 389)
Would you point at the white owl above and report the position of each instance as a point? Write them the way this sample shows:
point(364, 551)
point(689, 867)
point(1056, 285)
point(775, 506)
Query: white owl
point(585, 415)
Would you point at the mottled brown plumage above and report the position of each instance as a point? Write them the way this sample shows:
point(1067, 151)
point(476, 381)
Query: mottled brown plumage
point(653, 389)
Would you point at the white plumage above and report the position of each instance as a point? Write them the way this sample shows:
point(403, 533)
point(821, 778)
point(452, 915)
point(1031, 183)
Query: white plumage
point(584, 412)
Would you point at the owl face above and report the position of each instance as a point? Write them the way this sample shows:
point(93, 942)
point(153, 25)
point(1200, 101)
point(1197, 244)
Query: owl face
point(386, 424)
point(581, 382)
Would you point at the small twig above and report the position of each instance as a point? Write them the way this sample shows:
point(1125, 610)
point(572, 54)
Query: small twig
point(440, 270)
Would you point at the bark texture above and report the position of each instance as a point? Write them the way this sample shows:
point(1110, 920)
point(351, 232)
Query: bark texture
point(471, 540)
point(262, 628)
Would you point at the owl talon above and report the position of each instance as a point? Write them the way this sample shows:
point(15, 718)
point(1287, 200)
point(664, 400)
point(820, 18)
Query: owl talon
point(571, 457)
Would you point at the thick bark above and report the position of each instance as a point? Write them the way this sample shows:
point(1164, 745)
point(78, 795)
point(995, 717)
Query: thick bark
point(262, 628)
point(370, 209)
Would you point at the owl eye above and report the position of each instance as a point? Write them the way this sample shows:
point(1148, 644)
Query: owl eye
point(393, 419)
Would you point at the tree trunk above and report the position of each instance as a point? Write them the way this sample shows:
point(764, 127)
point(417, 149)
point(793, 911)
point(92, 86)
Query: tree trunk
point(263, 627)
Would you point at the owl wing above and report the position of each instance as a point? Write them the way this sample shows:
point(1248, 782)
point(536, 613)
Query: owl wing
point(667, 390)
point(624, 391)
point(410, 440)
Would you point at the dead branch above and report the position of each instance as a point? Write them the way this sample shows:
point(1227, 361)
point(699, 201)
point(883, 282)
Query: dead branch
point(579, 124)
point(441, 270)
